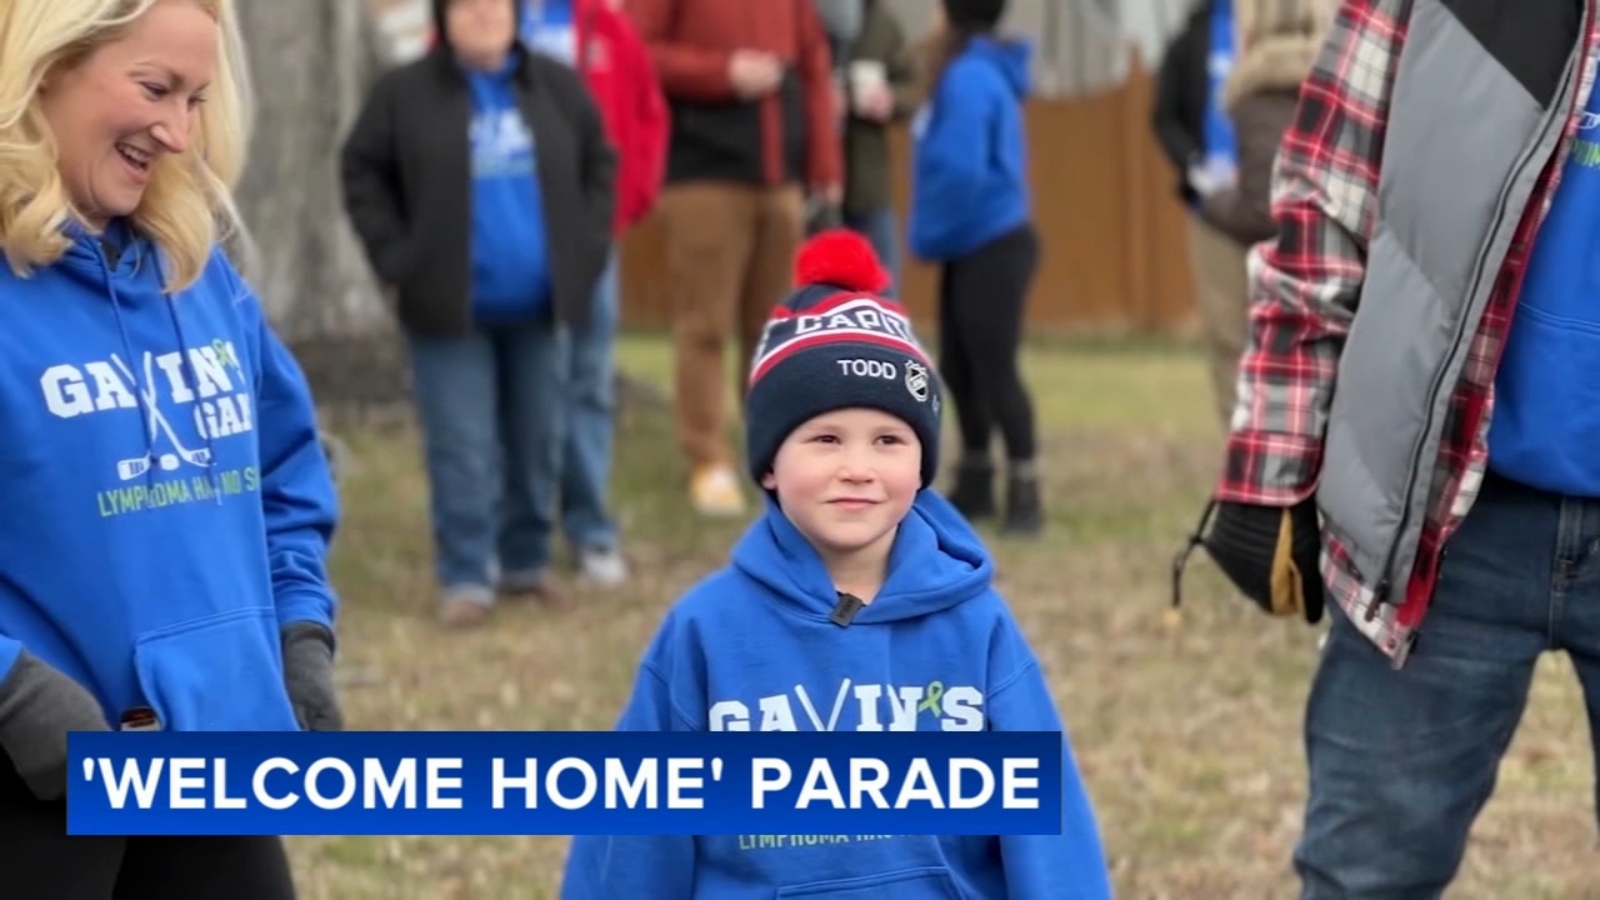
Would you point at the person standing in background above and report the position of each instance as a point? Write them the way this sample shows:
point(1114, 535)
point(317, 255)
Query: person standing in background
point(480, 182)
point(1278, 41)
point(1193, 128)
point(972, 212)
point(753, 129)
point(600, 42)
point(879, 87)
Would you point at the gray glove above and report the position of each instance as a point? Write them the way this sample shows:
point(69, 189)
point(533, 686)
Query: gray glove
point(38, 706)
point(308, 676)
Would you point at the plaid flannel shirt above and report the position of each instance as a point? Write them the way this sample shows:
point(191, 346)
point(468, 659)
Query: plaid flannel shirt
point(1306, 286)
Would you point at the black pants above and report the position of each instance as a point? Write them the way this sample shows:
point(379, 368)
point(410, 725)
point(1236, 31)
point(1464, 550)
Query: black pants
point(39, 861)
point(981, 303)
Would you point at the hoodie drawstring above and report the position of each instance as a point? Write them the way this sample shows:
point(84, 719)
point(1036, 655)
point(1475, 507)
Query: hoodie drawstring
point(192, 382)
point(147, 414)
point(138, 388)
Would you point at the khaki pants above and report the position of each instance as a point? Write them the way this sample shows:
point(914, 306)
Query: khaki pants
point(1220, 284)
point(730, 258)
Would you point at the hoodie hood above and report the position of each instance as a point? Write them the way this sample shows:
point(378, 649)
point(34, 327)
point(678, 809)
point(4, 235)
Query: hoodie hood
point(1011, 57)
point(937, 562)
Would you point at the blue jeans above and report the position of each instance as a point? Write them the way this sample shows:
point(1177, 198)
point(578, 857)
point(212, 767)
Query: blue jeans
point(490, 408)
point(1401, 762)
point(880, 230)
point(586, 452)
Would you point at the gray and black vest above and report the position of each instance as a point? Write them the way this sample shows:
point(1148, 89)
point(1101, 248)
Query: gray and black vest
point(1482, 92)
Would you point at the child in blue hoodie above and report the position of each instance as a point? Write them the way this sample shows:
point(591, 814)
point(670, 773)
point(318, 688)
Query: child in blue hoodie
point(971, 213)
point(860, 601)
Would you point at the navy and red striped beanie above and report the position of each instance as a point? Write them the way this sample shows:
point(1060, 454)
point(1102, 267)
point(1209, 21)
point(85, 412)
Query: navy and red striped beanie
point(834, 344)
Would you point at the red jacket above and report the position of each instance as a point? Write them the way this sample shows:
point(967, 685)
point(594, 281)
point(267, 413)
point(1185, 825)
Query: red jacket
point(622, 80)
point(691, 42)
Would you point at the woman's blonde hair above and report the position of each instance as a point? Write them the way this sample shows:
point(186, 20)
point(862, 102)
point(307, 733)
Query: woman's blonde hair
point(187, 207)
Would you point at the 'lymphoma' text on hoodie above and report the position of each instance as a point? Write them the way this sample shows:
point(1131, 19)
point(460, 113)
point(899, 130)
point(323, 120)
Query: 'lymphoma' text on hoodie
point(168, 507)
point(752, 648)
point(970, 152)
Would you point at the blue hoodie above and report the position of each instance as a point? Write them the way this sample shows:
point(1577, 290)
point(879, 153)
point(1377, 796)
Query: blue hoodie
point(510, 253)
point(1221, 143)
point(752, 647)
point(548, 27)
point(970, 153)
point(168, 505)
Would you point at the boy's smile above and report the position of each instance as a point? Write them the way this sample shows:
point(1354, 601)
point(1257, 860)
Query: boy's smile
point(846, 479)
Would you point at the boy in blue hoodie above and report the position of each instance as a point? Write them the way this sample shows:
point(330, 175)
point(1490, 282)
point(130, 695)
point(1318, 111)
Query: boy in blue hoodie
point(860, 601)
point(971, 213)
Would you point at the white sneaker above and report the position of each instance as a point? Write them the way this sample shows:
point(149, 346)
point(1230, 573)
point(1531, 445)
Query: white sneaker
point(714, 491)
point(604, 567)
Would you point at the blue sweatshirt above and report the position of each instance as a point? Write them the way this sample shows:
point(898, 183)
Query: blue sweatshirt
point(548, 27)
point(168, 506)
point(752, 648)
point(1546, 426)
point(970, 153)
point(1221, 143)
point(510, 259)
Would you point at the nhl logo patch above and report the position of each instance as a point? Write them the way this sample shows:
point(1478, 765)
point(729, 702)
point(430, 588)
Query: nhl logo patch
point(917, 381)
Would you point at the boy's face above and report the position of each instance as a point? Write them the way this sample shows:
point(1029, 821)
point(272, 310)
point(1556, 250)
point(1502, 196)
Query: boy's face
point(847, 478)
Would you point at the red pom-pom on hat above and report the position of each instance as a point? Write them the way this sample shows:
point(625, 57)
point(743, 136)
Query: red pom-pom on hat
point(840, 257)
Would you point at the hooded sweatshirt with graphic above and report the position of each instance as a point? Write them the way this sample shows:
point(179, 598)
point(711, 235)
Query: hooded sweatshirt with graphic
point(753, 648)
point(970, 152)
point(168, 504)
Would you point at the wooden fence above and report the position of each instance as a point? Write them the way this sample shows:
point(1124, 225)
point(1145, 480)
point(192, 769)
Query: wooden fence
point(1115, 257)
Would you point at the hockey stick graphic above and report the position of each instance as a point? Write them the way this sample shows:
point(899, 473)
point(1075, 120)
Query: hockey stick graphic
point(129, 469)
point(200, 458)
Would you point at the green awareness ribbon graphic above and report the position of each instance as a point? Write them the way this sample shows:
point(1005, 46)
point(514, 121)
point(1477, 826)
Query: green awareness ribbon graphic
point(224, 352)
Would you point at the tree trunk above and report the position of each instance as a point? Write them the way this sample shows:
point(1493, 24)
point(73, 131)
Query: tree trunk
point(311, 63)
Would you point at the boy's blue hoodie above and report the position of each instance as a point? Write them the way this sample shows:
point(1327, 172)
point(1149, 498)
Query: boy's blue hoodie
point(752, 648)
point(970, 153)
point(168, 506)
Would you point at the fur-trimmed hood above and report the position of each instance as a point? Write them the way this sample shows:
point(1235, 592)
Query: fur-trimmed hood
point(1280, 62)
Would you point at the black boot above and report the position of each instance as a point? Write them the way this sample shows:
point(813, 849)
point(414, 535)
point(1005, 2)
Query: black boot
point(1024, 517)
point(973, 494)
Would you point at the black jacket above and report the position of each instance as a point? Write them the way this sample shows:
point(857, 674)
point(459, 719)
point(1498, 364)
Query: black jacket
point(1178, 115)
point(408, 187)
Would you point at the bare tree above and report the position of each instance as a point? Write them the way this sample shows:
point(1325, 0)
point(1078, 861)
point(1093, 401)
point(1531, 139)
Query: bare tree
point(311, 62)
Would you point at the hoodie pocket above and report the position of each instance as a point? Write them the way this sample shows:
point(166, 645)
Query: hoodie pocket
point(928, 883)
point(217, 673)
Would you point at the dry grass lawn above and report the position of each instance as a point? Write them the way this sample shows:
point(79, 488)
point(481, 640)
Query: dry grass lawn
point(1189, 736)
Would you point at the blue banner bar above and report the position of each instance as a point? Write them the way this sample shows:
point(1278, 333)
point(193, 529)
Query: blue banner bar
point(564, 783)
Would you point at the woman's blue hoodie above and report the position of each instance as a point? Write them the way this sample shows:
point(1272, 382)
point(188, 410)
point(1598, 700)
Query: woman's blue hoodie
point(168, 503)
point(970, 152)
point(753, 648)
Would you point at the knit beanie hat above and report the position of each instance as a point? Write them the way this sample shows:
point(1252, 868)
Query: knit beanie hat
point(835, 344)
point(984, 14)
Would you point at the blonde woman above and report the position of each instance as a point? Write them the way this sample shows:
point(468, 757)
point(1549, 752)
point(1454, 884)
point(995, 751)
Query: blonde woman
point(168, 505)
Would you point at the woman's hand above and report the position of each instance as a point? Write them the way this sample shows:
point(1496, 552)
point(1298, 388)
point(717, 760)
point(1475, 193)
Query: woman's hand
point(308, 676)
point(39, 705)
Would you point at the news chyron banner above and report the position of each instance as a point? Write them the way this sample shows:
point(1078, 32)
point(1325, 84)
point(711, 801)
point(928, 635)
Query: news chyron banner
point(564, 783)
